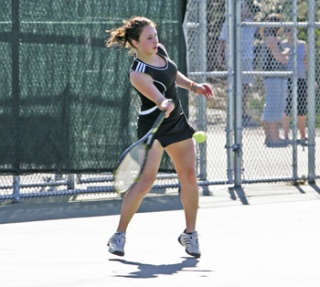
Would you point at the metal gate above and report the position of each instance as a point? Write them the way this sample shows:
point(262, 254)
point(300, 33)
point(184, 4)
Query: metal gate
point(236, 150)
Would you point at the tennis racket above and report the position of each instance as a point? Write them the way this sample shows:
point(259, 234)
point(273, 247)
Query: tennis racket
point(133, 160)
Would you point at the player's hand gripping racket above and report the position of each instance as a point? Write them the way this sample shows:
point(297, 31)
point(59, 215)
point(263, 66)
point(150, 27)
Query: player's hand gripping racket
point(133, 160)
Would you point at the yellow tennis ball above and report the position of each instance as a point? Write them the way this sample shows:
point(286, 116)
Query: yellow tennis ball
point(200, 137)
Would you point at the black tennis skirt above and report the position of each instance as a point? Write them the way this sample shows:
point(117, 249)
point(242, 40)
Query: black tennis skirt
point(171, 130)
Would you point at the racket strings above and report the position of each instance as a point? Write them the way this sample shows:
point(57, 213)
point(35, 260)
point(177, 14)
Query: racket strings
point(129, 169)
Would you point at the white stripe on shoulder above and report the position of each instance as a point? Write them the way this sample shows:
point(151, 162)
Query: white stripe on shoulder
point(149, 111)
point(141, 67)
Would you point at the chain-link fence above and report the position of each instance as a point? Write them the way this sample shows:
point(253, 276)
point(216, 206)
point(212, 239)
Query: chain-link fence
point(67, 106)
point(260, 57)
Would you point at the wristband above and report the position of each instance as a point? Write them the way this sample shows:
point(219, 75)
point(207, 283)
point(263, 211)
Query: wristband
point(193, 87)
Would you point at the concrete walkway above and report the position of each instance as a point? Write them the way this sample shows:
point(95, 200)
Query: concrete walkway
point(258, 236)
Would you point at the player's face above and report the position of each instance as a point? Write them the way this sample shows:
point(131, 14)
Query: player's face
point(148, 41)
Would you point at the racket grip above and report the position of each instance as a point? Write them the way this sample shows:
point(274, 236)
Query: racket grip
point(160, 119)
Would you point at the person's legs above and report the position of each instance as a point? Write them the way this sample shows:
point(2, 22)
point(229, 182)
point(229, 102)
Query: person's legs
point(287, 111)
point(302, 121)
point(134, 197)
point(302, 107)
point(137, 192)
point(275, 102)
point(247, 81)
point(271, 131)
point(286, 125)
point(183, 157)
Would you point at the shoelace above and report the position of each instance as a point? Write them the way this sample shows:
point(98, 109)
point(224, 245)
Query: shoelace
point(189, 239)
point(116, 239)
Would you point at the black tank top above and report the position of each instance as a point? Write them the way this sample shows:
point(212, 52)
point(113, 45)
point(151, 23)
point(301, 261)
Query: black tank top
point(164, 78)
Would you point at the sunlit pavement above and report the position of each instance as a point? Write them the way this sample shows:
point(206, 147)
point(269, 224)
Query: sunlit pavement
point(259, 236)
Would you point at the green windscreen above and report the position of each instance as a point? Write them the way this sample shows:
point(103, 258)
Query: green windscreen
point(66, 104)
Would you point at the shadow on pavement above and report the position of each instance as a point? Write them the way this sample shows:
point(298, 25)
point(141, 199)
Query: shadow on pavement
point(315, 187)
point(274, 193)
point(238, 192)
point(145, 270)
point(65, 207)
point(61, 209)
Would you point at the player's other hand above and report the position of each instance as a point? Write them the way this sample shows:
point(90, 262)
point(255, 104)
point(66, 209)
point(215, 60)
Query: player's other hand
point(204, 89)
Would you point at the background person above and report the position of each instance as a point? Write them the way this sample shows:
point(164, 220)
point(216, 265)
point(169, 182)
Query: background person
point(302, 65)
point(275, 58)
point(247, 56)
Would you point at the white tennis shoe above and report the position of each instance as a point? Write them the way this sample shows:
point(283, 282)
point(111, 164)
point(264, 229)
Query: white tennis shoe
point(191, 243)
point(116, 243)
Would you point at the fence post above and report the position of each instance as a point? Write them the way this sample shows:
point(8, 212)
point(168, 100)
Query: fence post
point(70, 182)
point(15, 69)
point(16, 188)
point(201, 120)
point(230, 101)
point(311, 91)
point(238, 96)
point(294, 86)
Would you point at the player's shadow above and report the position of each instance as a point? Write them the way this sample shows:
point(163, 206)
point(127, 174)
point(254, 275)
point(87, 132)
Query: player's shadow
point(146, 270)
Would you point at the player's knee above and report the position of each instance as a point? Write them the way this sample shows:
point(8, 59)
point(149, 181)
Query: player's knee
point(188, 175)
point(146, 183)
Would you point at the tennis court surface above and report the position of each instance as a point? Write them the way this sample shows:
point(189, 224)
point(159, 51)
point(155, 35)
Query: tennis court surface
point(261, 235)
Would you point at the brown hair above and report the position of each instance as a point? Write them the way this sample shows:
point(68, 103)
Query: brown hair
point(131, 30)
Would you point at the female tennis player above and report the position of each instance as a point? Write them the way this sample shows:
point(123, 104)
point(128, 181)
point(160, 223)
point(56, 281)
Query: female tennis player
point(155, 76)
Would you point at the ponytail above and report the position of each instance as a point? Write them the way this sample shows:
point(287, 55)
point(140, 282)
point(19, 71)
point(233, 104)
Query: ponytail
point(118, 37)
point(131, 30)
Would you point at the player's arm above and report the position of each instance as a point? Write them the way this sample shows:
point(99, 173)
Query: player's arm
point(144, 84)
point(185, 83)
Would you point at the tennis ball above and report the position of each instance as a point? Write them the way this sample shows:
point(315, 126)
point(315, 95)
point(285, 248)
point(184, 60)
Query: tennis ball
point(200, 137)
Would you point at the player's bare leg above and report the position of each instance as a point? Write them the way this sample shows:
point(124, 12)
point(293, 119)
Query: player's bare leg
point(183, 156)
point(135, 195)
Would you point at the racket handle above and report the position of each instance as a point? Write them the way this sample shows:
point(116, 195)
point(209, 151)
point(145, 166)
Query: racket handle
point(160, 119)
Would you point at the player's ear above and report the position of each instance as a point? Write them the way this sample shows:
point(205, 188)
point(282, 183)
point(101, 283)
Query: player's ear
point(135, 43)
